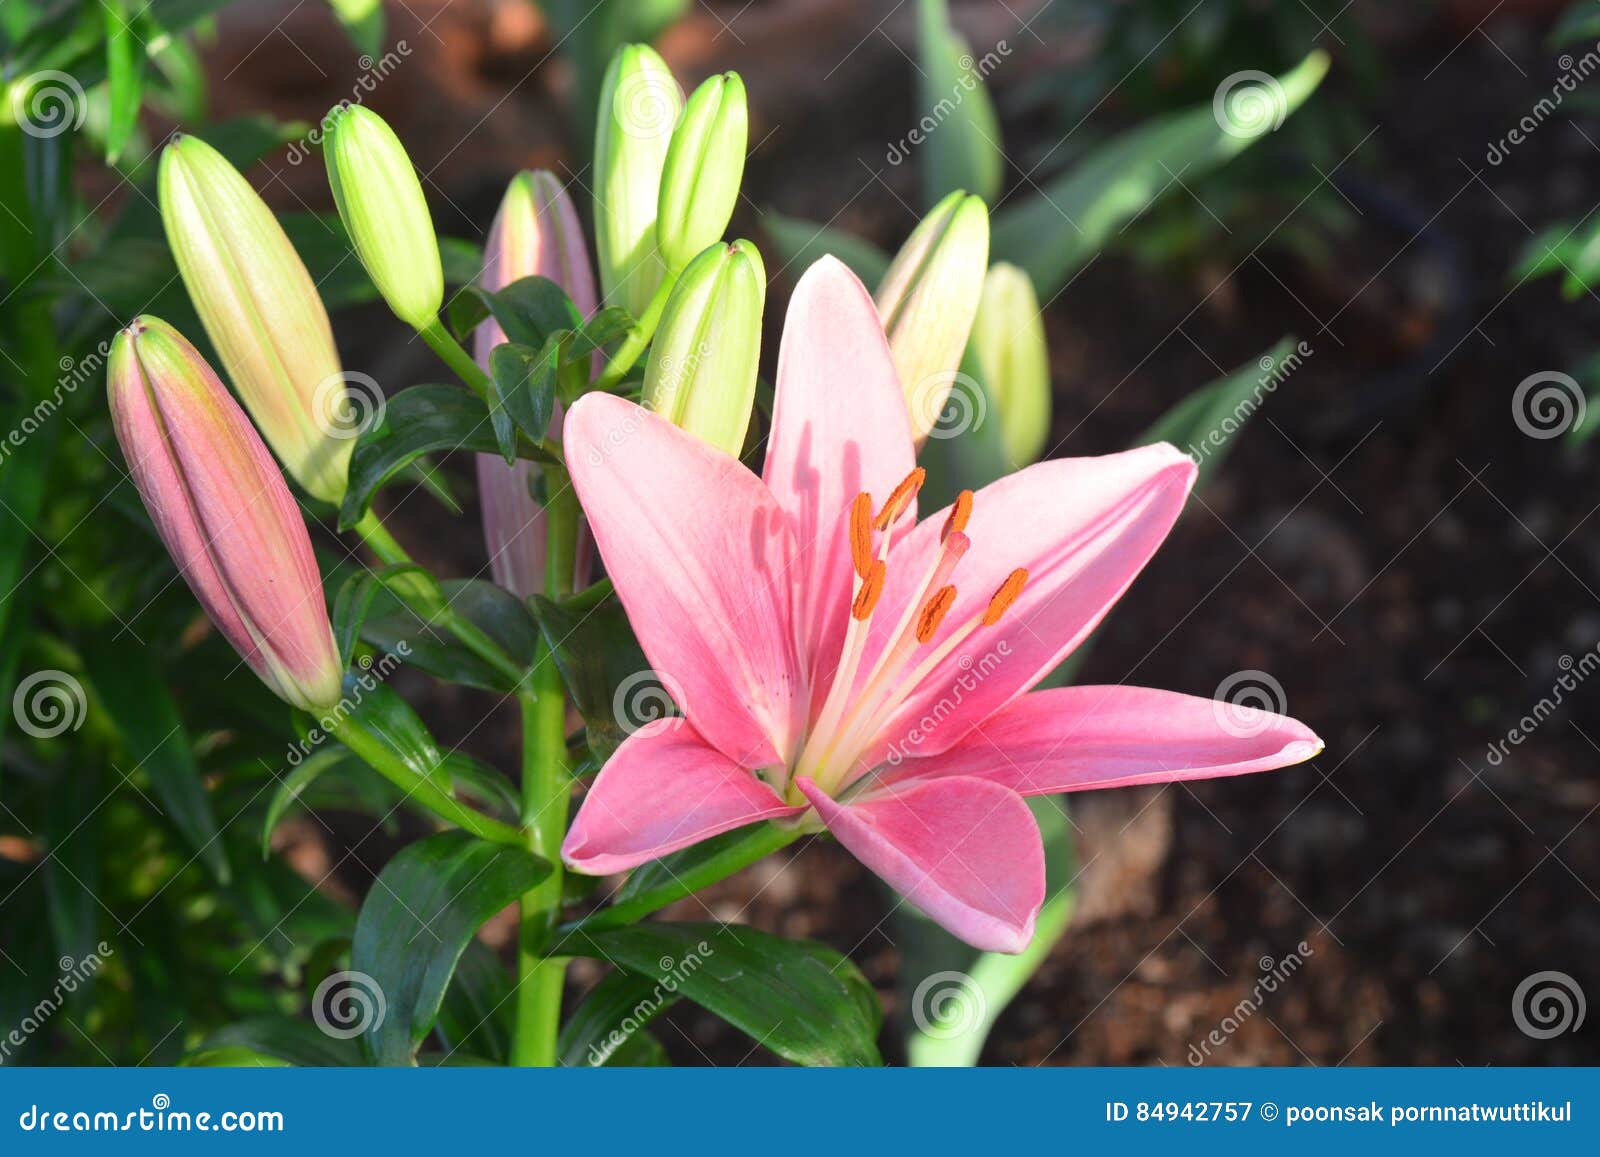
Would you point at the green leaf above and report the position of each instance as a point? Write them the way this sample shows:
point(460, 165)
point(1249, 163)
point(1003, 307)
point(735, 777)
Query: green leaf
point(409, 584)
point(1050, 235)
point(292, 786)
point(1206, 422)
point(429, 647)
point(363, 23)
point(422, 420)
point(131, 687)
point(802, 1000)
point(955, 993)
point(379, 711)
point(475, 1019)
point(530, 309)
point(609, 325)
point(1553, 251)
point(417, 920)
point(524, 381)
point(285, 1039)
point(607, 1028)
point(603, 667)
point(963, 150)
point(124, 75)
point(799, 243)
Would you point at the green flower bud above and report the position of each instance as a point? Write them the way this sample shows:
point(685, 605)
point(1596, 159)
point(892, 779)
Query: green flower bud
point(705, 162)
point(381, 204)
point(639, 105)
point(928, 299)
point(261, 310)
point(701, 372)
point(1013, 360)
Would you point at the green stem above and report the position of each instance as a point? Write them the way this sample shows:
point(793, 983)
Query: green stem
point(473, 637)
point(638, 338)
point(546, 796)
point(381, 758)
point(452, 353)
point(761, 842)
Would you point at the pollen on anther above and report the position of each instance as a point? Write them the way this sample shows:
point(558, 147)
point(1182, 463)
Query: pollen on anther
point(861, 534)
point(934, 611)
point(900, 498)
point(871, 590)
point(959, 513)
point(1008, 593)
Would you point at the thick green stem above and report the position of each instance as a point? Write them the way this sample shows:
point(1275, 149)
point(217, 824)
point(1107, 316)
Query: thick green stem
point(452, 353)
point(381, 758)
point(638, 338)
point(546, 796)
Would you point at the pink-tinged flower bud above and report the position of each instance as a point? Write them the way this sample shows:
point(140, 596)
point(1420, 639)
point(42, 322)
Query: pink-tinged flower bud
point(535, 233)
point(223, 510)
point(261, 311)
point(928, 299)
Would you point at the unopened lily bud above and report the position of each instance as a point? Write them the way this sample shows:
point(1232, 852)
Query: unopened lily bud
point(535, 233)
point(1013, 359)
point(639, 105)
point(381, 204)
point(928, 299)
point(223, 510)
point(705, 163)
point(262, 312)
point(701, 373)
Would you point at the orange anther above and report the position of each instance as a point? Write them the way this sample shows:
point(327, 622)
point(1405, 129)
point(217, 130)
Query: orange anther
point(1008, 593)
point(934, 611)
point(900, 498)
point(871, 590)
point(959, 513)
point(861, 533)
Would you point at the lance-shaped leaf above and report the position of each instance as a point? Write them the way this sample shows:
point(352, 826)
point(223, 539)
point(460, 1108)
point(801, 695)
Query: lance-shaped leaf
point(416, 922)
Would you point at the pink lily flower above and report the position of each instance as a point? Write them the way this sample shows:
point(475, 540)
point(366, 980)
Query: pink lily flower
point(841, 665)
point(535, 233)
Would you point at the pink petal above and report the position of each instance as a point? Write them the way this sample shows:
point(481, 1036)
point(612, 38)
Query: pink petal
point(839, 426)
point(1075, 738)
point(664, 789)
point(700, 555)
point(965, 851)
point(1083, 527)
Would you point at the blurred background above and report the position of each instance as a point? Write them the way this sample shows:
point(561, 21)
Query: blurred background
point(1401, 545)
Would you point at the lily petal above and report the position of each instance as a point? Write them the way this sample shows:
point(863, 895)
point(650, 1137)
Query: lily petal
point(1083, 528)
point(1076, 738)
point(664, 789)
point(965, 851)
point(839, 426)
point(699, 552)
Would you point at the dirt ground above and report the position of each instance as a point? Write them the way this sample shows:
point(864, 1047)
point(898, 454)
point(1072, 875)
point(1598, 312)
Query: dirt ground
point(1386, 542)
